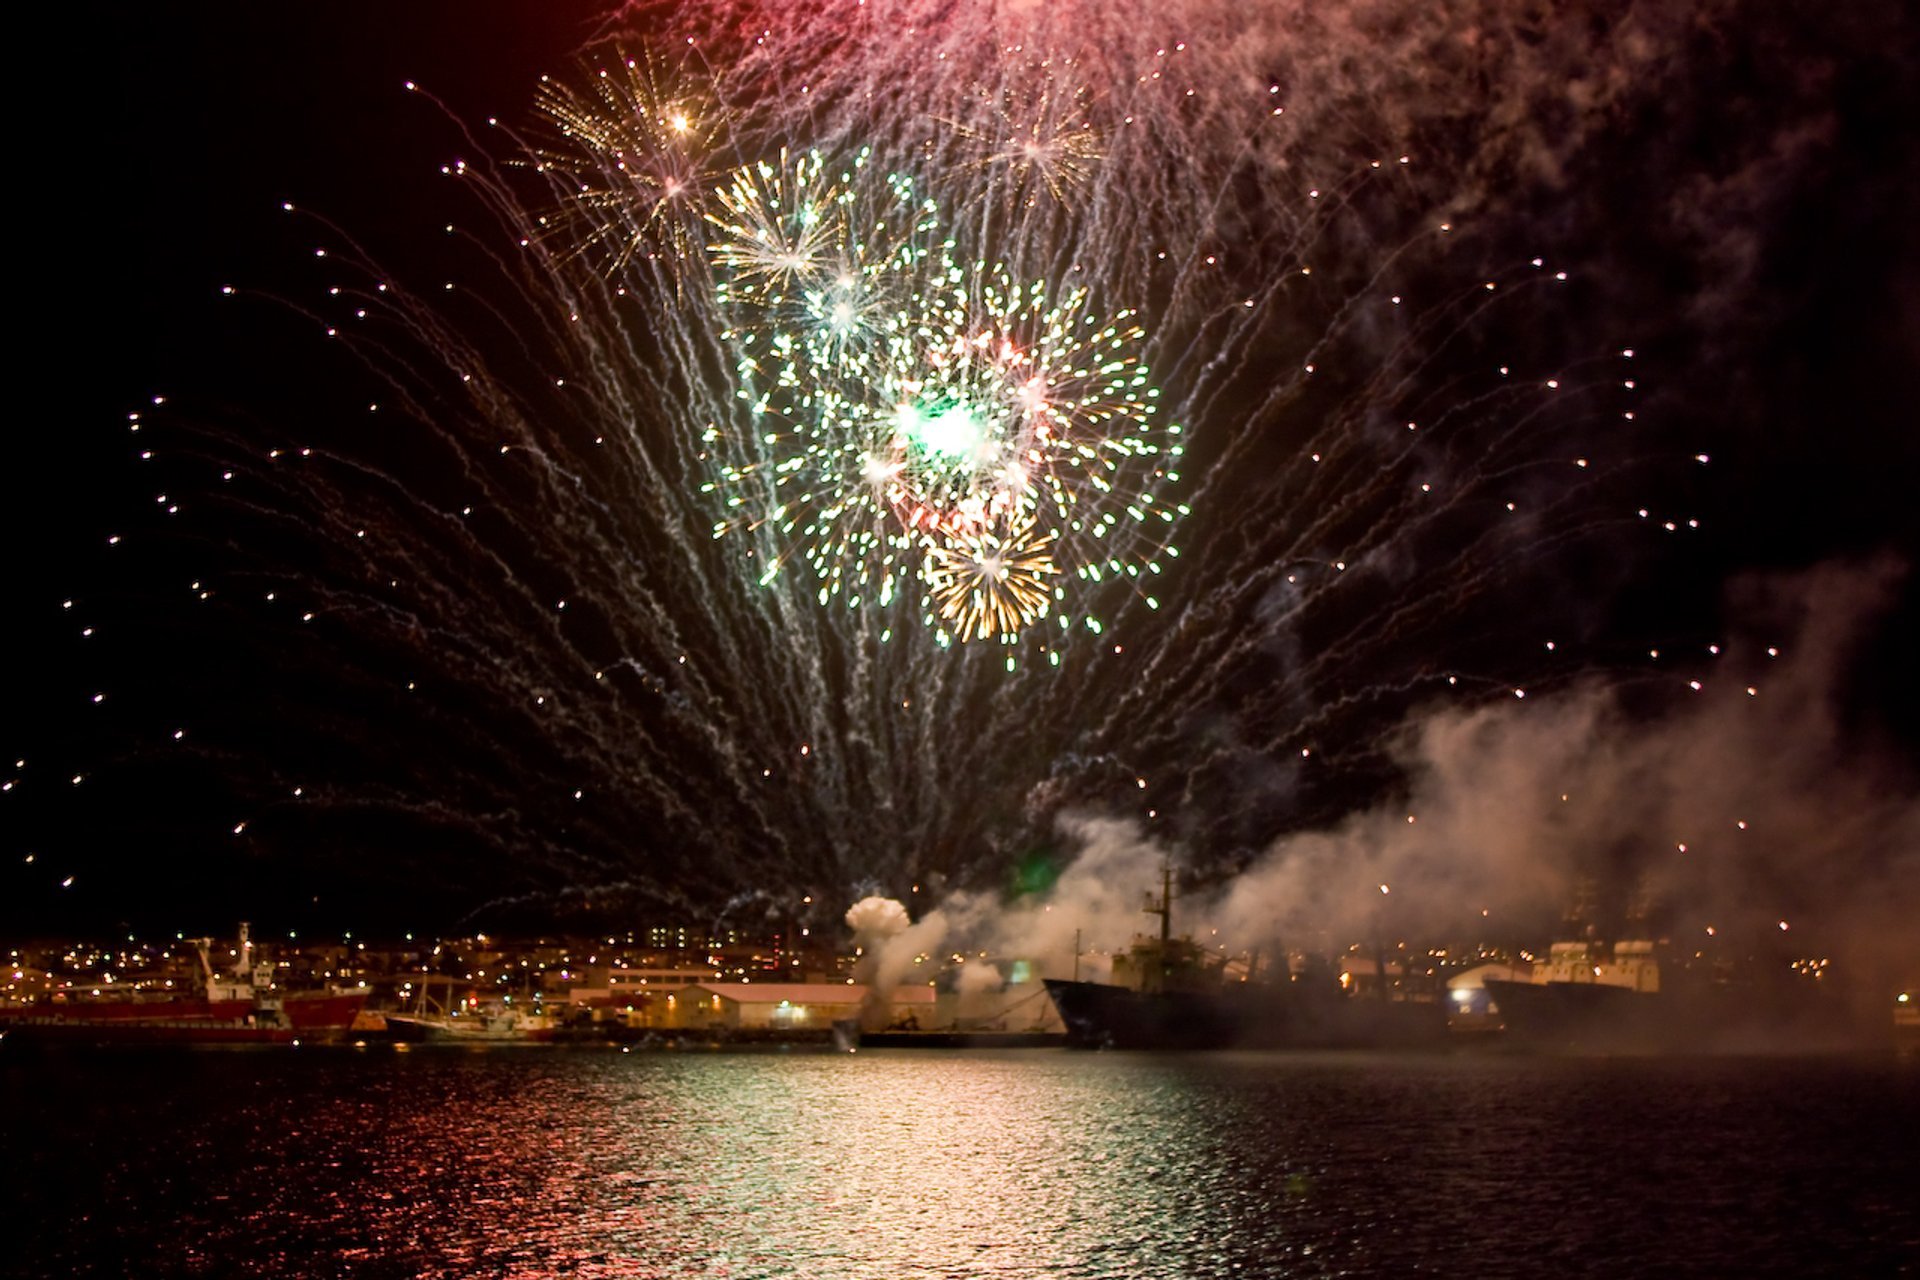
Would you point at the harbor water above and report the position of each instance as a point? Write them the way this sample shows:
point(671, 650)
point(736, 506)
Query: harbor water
point(597, 1163)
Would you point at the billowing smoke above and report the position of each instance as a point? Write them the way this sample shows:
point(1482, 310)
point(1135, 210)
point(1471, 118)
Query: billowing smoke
point(874, 919)
point(979, 977)
point(889, 942)
point(1742, 800)
point(1097, 899)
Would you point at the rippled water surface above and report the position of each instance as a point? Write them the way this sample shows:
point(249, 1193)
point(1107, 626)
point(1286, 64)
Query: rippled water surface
point(1038, 1164)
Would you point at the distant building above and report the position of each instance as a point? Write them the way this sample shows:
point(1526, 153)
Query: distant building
point(632, 987)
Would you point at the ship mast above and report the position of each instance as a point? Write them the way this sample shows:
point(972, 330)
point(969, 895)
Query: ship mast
point(1164, 907)
point(1163, 957)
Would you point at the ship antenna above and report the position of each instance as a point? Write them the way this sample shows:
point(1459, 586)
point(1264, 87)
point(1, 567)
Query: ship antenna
point(1166, 901)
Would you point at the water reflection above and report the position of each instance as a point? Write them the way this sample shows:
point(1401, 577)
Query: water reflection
point(536, 1164)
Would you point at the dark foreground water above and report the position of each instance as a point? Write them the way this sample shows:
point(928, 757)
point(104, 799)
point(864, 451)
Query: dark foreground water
point(535, 1162)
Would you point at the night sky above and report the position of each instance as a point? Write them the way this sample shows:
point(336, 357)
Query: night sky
point(196, 122)
point(1732, 193)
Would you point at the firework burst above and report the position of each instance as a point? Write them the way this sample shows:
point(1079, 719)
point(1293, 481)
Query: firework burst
point(780, 226)
point(994, 580)
point(901, 394)
point(1037, 140)
point(949, 325)
point(627, 148)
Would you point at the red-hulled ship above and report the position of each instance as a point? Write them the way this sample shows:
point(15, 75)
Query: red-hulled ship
point(244, 1007)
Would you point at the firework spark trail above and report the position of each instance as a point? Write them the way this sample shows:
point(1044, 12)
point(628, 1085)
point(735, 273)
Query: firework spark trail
point(537, 546)
point(519, 653)
point(1405, 366)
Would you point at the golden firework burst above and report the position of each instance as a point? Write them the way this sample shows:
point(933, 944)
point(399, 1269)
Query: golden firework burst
point(992, 581)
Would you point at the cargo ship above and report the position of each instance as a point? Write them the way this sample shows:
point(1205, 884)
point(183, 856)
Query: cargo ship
point(1173, 995)
point(1592, 996)
point(240, 1008)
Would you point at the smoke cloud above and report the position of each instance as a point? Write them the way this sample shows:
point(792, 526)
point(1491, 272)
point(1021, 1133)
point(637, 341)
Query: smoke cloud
point(875, 919)
point(889, 941)
point(978, 977)
point(1740, 804)
point(1730, 793)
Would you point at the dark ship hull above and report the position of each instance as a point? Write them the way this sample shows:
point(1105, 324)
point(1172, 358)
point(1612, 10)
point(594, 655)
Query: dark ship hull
point(1240, 1016)
point(301, 1017)
point(1587, 1017)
